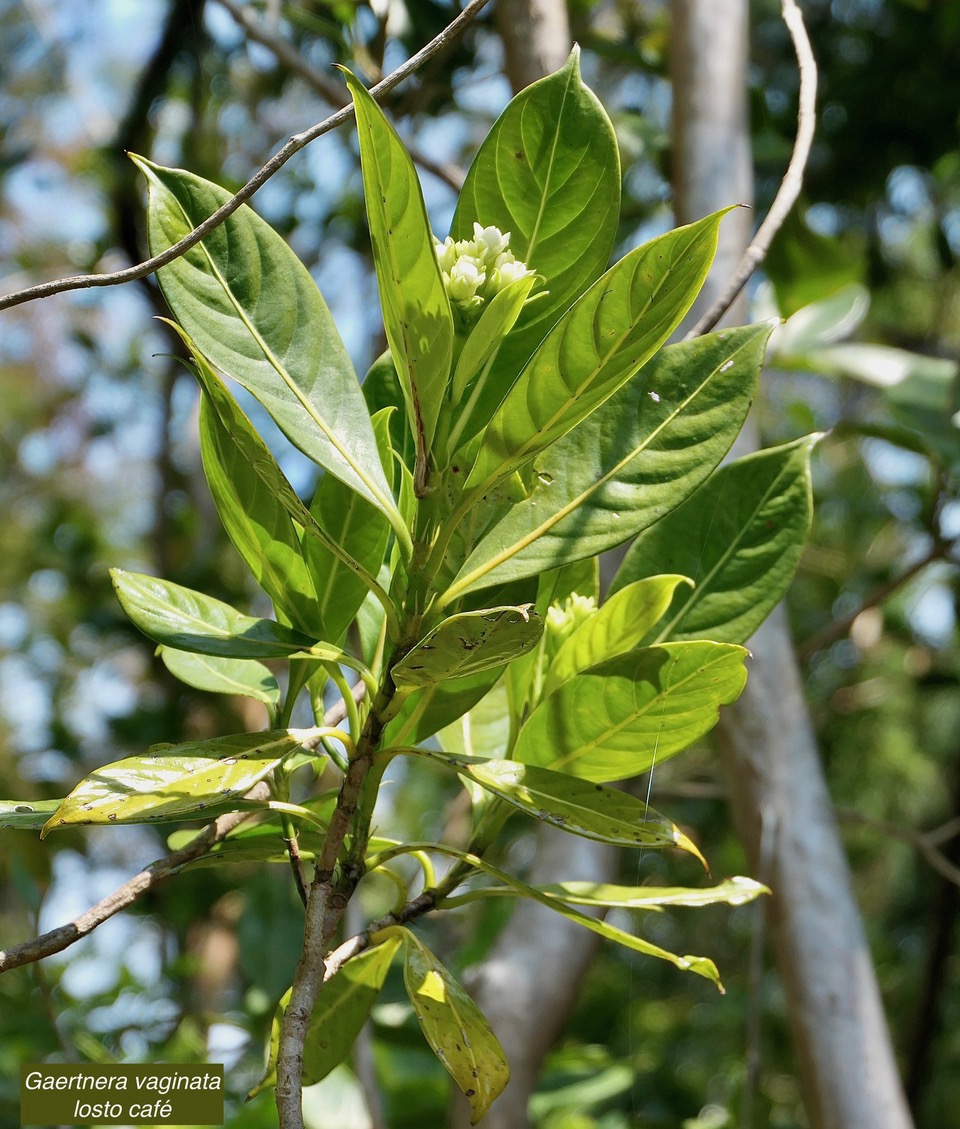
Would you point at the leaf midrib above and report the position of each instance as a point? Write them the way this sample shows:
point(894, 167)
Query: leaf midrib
point(462, 586)
point(385, 503)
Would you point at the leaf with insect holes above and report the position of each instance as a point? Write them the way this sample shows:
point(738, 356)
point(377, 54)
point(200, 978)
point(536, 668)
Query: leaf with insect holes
point(454, 1027)
point(177, 782)
point(573, 804)
point(468, 643)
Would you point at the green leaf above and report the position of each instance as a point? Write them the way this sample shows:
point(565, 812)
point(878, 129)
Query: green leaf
point(177, 782)
point(573, 804)
point(454, 1027)
point(251, 449)
point(733, 892)
point(468, 643)
point(617, 627)
point(254, 311)
point(474, 390)
point(222, 676)
point(342, 1007)
point(262, 532)
point(416, 310)
point(740, 536)
point(637, 457)
point(428, 710)
point(484, 730)
point(620, 718)
point(355, 527)
point(26, 815)
point(549, 173)
point(189, 621)
point(596, 346)
point(701, 966)
point(524, 677)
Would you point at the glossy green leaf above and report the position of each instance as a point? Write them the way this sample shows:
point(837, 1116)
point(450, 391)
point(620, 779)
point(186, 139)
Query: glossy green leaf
point(701, 966)
point(428, 710)
point(635, 459)
point(484, 730)
point(475, 390)
point(468, 643)
point(177, 782)
point(220, 675)
point(524, 678)
point(574, 804)
point(254, 311)
point(740, 536)
point(454, 1027)
point(26, 815)
point(355, 526)
point(596, 346)
point(189, 621)
point(262, 532)
point(342, 1007)
point(549, 173)
point(732, 892)
point(620, 718)
point(416, 311)
point(270, 488)
point(616, 627)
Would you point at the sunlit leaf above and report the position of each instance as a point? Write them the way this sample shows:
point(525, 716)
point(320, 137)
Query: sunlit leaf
point(342, 1007)
point(733, 892)
point(454, 1027)
point(635, 459)
point(468, 643)
point(616, 627)
point(26, 815)
point(596, 346)
point(220, 675)
point(416, 311)
point(740, 536)
point(618, 719)
point(549, 173)
point(254, 311)
point(177, 782)
point(573, 804)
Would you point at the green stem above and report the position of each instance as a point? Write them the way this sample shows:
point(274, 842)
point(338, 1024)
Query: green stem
point(349, 702)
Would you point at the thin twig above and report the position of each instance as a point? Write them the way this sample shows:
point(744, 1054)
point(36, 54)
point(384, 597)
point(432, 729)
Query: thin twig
point(297, 142)
point(925, 842)
point(63, 936)
point(790, 186)
point(56, 940)
point(839, 627)
point(328, 89)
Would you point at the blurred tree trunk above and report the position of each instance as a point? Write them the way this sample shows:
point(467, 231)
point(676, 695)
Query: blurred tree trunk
point(780, 802)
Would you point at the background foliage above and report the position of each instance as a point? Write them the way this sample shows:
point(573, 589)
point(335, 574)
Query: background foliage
point(99, 465)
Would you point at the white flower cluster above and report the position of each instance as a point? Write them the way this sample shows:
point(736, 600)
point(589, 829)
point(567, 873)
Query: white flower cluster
point(476, 269)
point(562, 620)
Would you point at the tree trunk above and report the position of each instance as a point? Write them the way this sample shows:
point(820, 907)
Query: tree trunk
point(779, 797)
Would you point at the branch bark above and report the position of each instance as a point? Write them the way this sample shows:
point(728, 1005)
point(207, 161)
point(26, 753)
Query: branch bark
point(297, 142)
point(767, 742)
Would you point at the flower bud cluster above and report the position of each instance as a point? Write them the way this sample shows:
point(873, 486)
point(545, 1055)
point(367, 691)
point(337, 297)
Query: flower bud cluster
point(561, 621)
point(476, 269)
